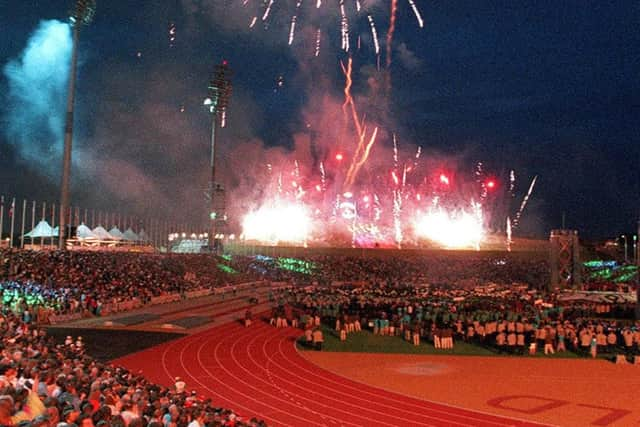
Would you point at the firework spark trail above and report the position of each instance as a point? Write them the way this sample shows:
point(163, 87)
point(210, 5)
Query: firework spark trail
point(253, 22)
point(391, 30)
point(358, 6)
point(268, 10)
point(354, 230)
point(516, 221)
point(323, 178)
point(367, 149)
point(358, 165)
point(417, 13)
point(374, 34)
point(477, 210)
point(348, 99)
point(397, 216)
point(344, 27)
point(292, 29)
point(404, 176)
point(377, 209)
point(352, 167)
point(509, 234)
point(318, 4)
point(318, 36)
point(512, 182)
point(293, 22)
point(415, 161)
point(395, 152)
point(479, 179)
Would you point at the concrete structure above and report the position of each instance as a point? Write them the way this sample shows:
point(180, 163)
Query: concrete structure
point(564, 248)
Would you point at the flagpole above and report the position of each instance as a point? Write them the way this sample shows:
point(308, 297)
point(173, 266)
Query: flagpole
point(53, 219)
point(24, 212)
point(33, 221)
point(44, 218)
point(12, 214)
point(1, 218)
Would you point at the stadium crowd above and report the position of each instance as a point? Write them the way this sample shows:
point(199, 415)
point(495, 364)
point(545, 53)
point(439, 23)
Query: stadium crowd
point(42, 283)
point(466, 269)
point(499, 302)
point(47, 384)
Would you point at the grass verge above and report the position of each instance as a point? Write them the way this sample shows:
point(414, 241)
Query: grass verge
point(366, 342)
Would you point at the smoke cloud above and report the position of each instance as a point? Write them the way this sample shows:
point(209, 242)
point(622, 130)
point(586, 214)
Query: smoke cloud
point(34, 105)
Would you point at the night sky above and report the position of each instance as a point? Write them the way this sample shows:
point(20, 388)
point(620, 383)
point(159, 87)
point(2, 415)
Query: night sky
point(547, 88)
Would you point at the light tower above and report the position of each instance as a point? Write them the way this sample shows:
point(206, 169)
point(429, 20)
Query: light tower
point(82, 14)
point(217, 101)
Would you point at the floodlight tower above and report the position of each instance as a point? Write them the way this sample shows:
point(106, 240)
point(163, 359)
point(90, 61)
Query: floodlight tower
point(219, 92)
point(82, 14)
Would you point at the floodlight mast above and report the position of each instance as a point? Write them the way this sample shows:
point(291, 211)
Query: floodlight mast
point(219, 92)
point(82, 14)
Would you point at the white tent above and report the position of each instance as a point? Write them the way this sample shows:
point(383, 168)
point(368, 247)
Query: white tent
point(130, 235)
point(116, 233)
point(143, 235)
point(43, 229)
point(101, 233)
point(84, 232)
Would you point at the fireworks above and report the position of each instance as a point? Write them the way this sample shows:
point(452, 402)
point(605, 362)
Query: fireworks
point(396, 209)
point(452, 229)
point(172, 34)
point(352, 19)
point(416, 12)
point(516, 221)
point(374, 34)
point(278, 222)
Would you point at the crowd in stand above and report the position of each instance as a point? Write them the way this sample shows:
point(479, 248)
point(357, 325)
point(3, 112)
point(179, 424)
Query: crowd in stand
point(46, 384)
point(466, 269)
point(61, 282)
point(494, 301)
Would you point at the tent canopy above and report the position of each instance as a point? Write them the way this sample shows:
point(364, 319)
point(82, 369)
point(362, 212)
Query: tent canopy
point(116, 233)
point(101, 233)
point(142, 235)
point(84, 232)
point(43, 229)
point(130, 235)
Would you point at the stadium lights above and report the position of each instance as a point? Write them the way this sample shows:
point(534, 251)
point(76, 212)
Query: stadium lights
point(82, 14)
point(219, 93)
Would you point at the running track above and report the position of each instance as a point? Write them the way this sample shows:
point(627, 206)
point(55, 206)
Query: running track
point(257, 371)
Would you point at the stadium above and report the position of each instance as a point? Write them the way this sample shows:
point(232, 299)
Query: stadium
point(370, 238)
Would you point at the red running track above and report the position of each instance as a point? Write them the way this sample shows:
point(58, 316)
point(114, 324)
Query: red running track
point(258, 372)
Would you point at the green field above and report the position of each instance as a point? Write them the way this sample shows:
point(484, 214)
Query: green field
point(367, 342)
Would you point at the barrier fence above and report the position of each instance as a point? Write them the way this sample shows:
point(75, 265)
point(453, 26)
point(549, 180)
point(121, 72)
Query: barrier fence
point(123, 306)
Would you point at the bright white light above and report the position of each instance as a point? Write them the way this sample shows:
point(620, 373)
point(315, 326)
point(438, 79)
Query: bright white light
point(279, 221)
point(208, 101)
point(457, 229)
point(348, 210)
